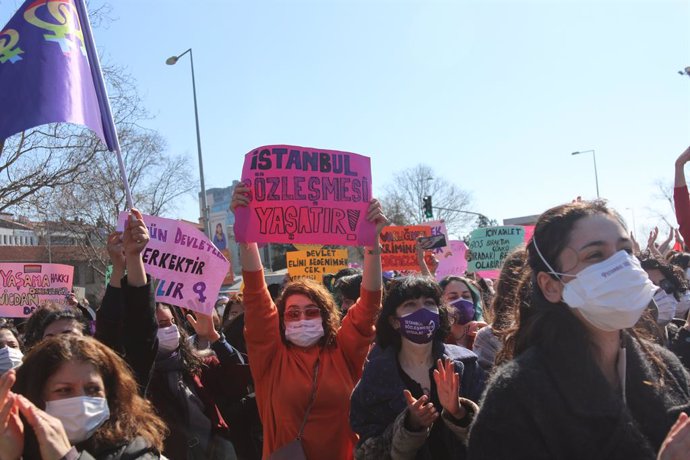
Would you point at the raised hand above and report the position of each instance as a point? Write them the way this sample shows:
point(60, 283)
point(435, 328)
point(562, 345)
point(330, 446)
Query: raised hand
point(636, 246)
point(679, 239)
point(136, 235)
point(679, 178)
point(375, 215)
point(203, 326)
point(11, 426)
point(421, 414)
point(52, 439)
point(683, 158)
point(652, 239)
point(241, 196)
point(447, 384)
point(116, 250)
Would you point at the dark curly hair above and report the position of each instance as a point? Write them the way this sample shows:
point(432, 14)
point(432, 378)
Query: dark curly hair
point(674, 274)
point(680, 259)
point(400, 290)
point(47, 315)
point(322, 298)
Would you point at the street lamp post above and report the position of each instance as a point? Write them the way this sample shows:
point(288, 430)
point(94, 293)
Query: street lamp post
point(594, 156)
point(204, 205)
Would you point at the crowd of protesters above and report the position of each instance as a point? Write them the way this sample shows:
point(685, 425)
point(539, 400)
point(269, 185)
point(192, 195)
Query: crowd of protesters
point(580, 349)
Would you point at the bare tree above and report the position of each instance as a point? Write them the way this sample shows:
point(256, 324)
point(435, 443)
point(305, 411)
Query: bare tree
point(403, 199)
point(87, 201)
point(666, 211)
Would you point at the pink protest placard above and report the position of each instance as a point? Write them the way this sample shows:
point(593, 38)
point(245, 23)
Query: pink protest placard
point(453, 261)
point(305, 195)
point(529, 231)
point(26, 286)
point(187, 267)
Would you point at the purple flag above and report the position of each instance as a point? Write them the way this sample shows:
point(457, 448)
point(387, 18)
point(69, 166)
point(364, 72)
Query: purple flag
point(45, 71)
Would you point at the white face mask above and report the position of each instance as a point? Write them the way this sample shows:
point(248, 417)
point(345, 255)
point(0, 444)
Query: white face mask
point(304, 333)
point(683, 305)
point(80, 416)
point(611, 295)
point(168, 338)
point(667, 306)
point(9, 358)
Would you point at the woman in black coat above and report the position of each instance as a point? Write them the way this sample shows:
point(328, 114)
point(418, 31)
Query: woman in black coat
point(583, 384)
point(415, 398)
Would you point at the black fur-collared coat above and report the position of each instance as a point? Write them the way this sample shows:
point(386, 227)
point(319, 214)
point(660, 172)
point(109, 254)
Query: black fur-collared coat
point(539, 406)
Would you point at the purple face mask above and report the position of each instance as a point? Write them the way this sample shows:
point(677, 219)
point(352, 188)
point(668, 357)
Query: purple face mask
point(463, 311)
point(420, 326)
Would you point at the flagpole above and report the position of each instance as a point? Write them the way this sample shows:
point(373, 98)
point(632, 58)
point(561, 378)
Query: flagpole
point(109, 130)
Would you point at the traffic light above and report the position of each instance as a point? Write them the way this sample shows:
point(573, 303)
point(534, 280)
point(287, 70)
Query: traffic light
point(428, 210)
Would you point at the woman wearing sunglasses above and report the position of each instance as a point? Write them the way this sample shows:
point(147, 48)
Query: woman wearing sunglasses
point(304, 361)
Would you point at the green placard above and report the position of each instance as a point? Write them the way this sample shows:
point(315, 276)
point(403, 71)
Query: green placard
point(491, 245)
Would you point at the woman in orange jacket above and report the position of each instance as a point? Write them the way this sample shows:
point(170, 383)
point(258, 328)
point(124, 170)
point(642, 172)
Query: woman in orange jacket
point(302, 337)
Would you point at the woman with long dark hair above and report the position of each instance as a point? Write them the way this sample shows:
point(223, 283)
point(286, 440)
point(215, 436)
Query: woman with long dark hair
point(415, 396)
point(583, 383)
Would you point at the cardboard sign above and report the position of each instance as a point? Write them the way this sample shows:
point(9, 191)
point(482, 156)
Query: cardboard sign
point(399, 246)
point(187, 267)
point(314, 263)
point(489, 246)
point(25, 287)
point(305, 195)
point(453, 261)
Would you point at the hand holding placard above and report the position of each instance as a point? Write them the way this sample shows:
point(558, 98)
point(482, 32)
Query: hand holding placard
point(240, 197)
point(136, 235)
point(376, 216)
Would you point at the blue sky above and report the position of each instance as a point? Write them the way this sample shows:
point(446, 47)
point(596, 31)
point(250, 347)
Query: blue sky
point(493, 95)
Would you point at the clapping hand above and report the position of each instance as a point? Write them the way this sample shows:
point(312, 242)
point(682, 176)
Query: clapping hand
point(677, 443)
point(447, 384)
point(421, 414)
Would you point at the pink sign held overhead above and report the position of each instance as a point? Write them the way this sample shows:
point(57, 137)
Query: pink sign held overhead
point(305, 195)
point(452, 261)
point(25, 287)
point(187, 268)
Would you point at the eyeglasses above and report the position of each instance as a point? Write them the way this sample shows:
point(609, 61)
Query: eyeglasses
point(309, 313)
